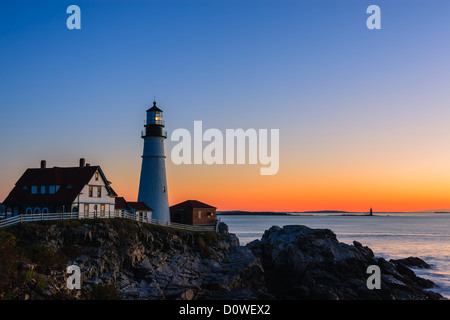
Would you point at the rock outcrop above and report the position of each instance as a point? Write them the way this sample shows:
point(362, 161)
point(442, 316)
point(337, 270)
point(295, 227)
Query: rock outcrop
point(304, 263)
point(123, 259)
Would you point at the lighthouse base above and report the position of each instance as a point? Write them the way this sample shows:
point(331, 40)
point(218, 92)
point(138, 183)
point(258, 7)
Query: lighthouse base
point(153, 187)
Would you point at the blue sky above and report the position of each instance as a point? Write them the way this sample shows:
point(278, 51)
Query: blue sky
point(310, 68)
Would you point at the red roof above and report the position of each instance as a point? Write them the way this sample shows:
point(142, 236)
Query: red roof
point(70, 179)
point(122, 204)
point(191, 204)
point(139, 206)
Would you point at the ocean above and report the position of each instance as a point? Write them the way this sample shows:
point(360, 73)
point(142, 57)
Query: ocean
point(389, 235)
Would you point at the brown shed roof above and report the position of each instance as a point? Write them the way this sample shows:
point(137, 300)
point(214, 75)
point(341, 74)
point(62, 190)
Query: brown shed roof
point(191, 204)
point(122, 204)
point(139, 206)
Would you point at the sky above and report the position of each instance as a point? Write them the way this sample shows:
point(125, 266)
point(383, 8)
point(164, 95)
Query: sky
point(362, 114)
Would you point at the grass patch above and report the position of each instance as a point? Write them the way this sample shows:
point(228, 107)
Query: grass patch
point(41, 284)
point(203, 240)
point(8, 260)
point(43, 255)
point(27, 276)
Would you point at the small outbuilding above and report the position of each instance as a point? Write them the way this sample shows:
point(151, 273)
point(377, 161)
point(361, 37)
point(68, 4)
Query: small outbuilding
point(140, 210)
point(193, 212)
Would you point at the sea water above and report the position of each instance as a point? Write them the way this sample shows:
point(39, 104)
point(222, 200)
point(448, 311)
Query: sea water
point(389, 235)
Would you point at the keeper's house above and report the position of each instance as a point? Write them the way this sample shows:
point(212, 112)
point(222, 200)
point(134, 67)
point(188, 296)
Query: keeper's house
point(193, 212)
point(83, 189)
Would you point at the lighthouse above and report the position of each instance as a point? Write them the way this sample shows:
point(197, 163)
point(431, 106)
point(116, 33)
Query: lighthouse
point(153, 182)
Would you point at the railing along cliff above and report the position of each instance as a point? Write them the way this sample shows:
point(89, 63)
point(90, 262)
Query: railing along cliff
point(11, 221)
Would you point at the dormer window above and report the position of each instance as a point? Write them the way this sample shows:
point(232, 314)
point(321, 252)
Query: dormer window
point(69, 186)
point(34, 189)
point(52, 189)
point(43, 189)
point(96, 176)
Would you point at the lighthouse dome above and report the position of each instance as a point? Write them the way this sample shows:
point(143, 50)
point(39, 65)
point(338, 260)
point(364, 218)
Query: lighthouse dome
point(154, 108)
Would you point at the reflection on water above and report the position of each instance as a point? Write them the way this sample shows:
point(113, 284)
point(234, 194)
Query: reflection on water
point(392, 236)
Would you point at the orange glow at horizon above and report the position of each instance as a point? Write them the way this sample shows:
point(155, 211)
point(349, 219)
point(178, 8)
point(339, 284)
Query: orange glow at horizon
point(303, 183)
point(351, 188)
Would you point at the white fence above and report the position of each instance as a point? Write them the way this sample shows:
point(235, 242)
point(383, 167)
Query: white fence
point(11, 221)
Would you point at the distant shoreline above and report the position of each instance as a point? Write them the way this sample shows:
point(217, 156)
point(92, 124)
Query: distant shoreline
point(305, 213)
point(274, 213)
point(247, 213)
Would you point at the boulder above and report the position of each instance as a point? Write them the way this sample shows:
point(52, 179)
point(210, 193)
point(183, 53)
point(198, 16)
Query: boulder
point(412, 262)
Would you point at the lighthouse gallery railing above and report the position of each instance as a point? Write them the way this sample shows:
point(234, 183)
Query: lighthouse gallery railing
point(34, 217)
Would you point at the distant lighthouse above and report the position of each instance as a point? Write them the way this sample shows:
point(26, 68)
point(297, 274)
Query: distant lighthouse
point(153, 182)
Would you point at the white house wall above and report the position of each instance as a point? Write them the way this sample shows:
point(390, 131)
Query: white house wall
point(104, 199)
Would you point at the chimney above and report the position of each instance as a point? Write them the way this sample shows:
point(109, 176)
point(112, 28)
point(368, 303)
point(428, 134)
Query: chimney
point(82, 162)
point(43, 164)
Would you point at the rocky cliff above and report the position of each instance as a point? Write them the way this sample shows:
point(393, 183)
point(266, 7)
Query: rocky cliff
point(124, 259)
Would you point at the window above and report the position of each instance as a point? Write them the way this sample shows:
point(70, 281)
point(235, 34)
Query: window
point(37, 210)
point(42, 189)
point(164, 188)
point(34, 189)
point(199, 214)
point(95, 208)
point(102, 210)
point(52, 189)
point(209, 214)
point(29, 211)
point(96, 176)
point(155, 117)
point(158, 117)
point(91, 188)
point(99, 192)
point(86, 208)
point(45, 210)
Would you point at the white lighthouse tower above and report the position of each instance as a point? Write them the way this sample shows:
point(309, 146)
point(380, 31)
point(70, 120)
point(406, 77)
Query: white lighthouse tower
point(153, 182)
